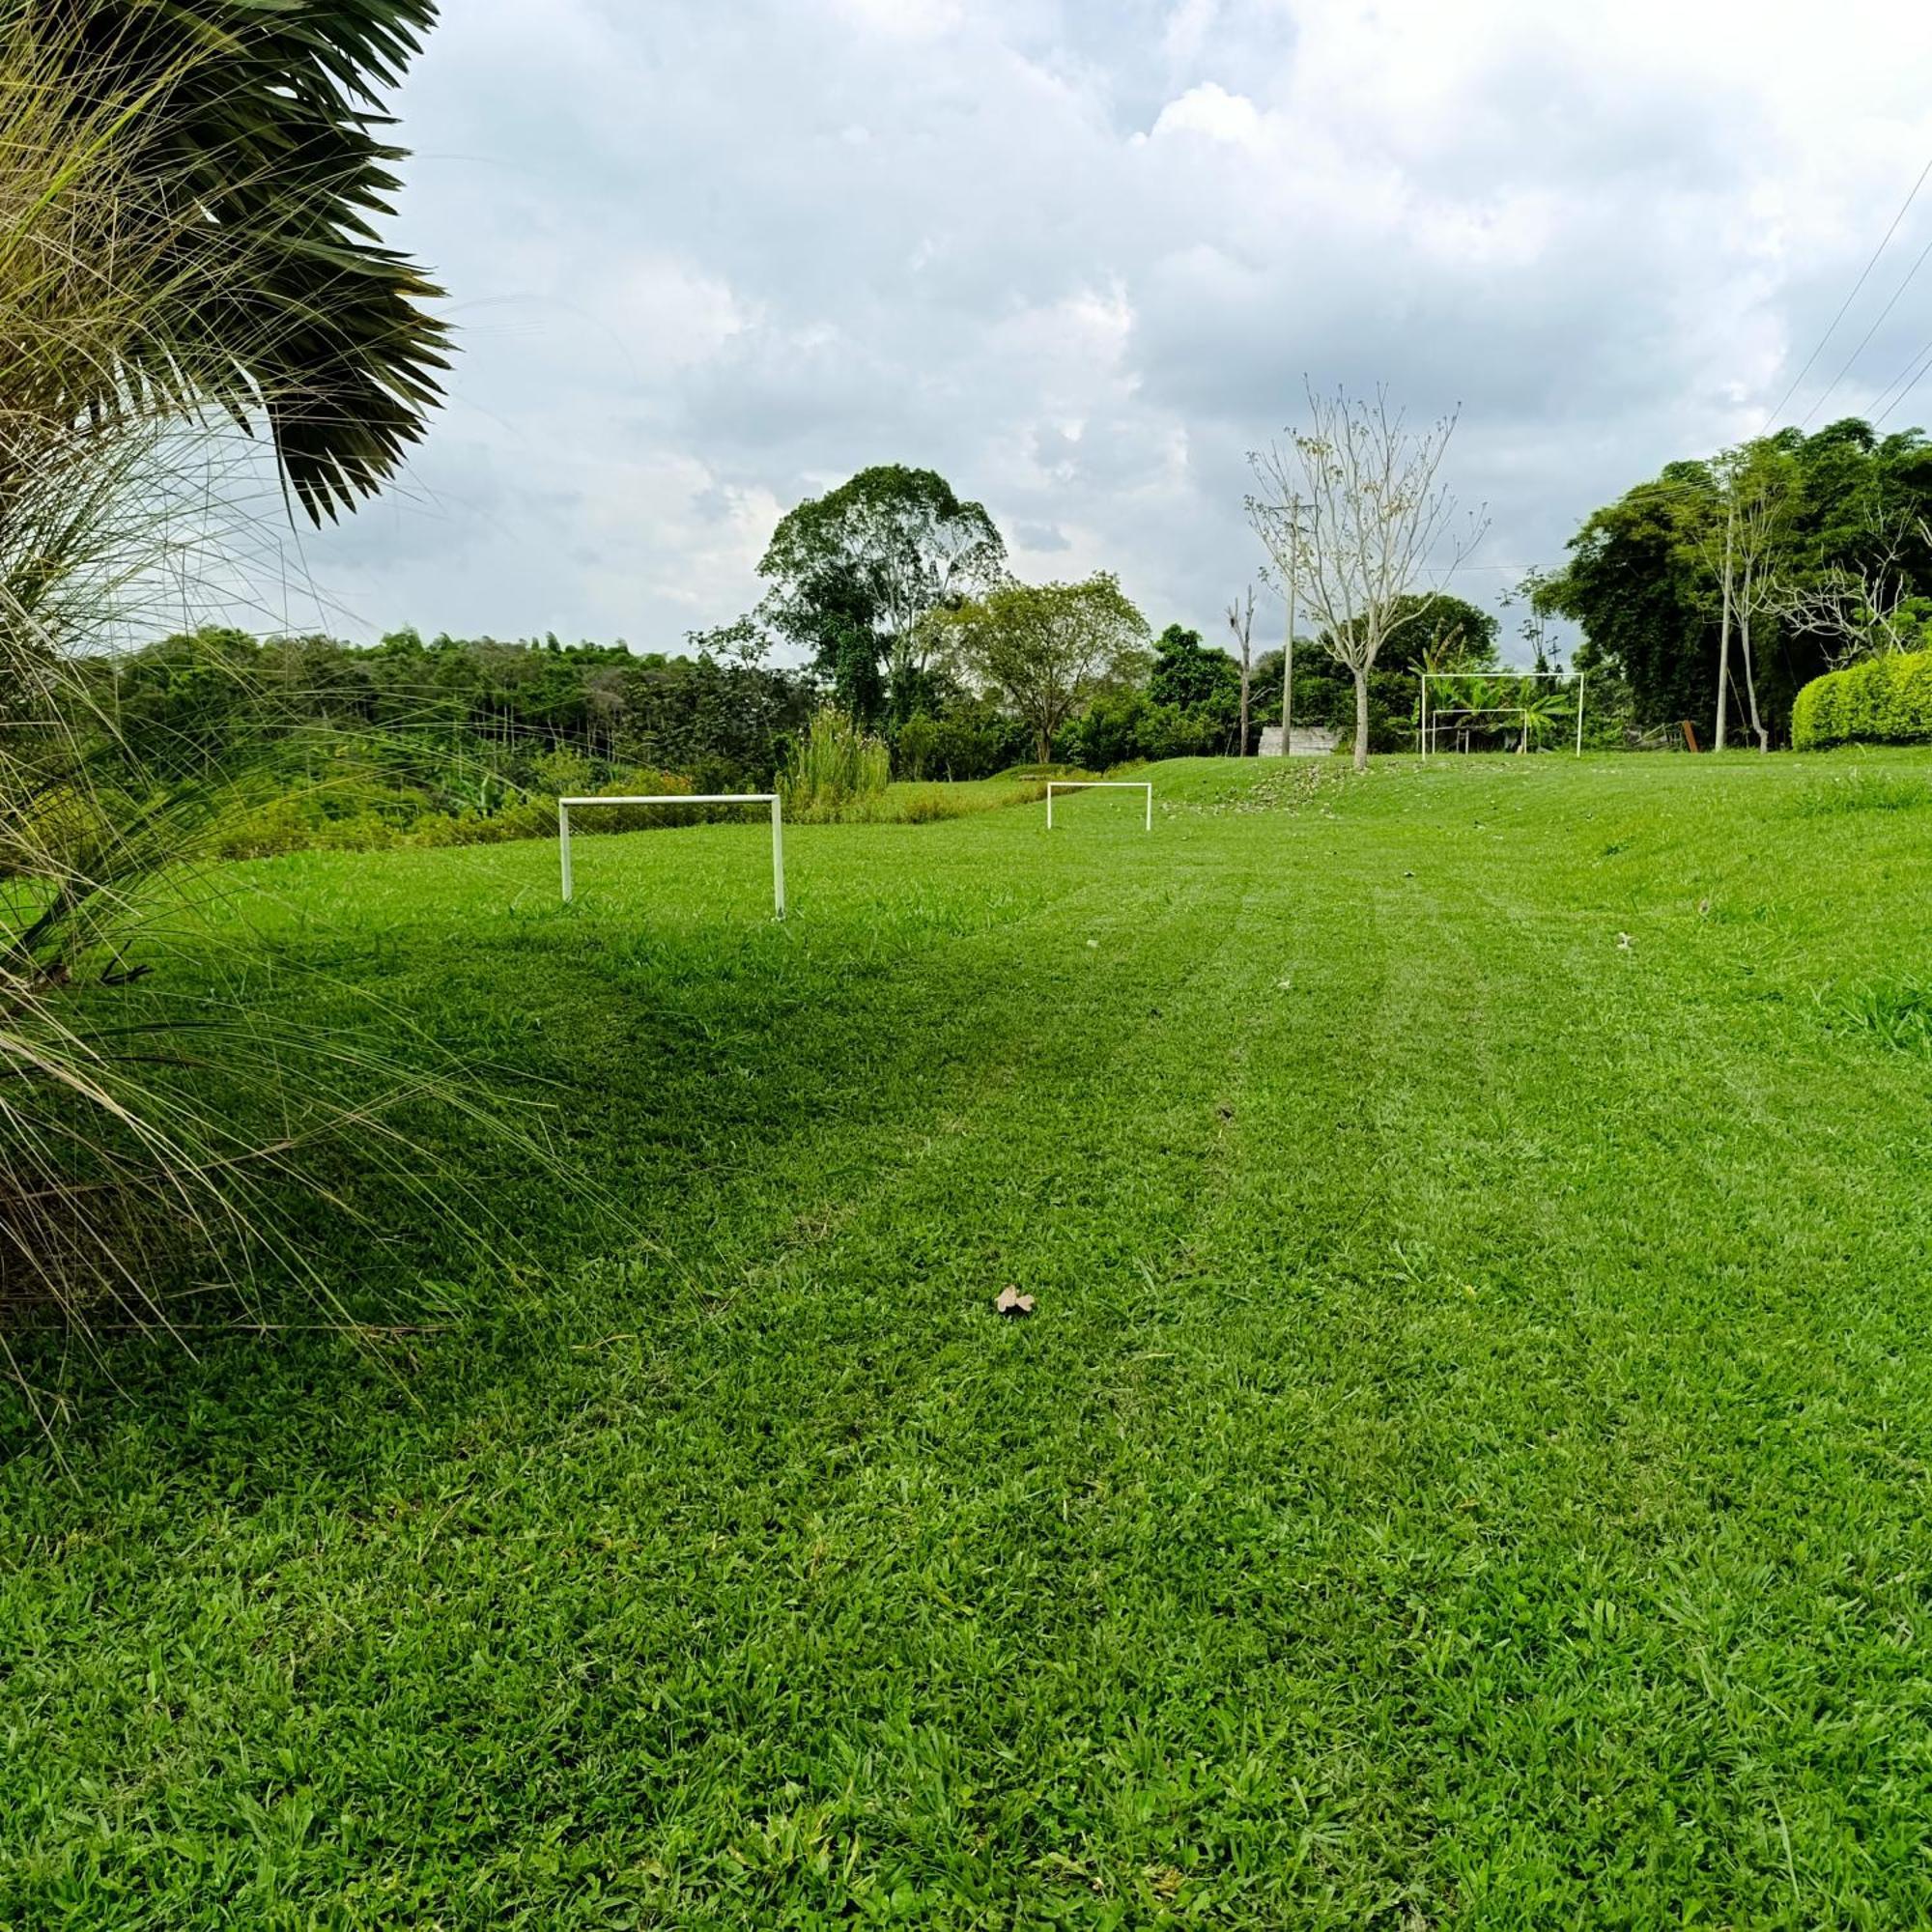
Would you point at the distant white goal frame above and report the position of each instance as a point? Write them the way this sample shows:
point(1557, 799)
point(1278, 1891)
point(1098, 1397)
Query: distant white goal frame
point(1422, 737)
point(771, 798)
point(1099, 784)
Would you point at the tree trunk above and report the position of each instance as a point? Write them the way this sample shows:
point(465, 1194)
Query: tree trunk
point(1725, 642)
point(1750, 685)
point(1361, 721)
point(1242, 753)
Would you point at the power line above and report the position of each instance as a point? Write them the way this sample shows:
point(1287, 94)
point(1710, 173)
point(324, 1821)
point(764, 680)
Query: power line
point(1911, 376)
point(1910, 273)
point(1863, 275)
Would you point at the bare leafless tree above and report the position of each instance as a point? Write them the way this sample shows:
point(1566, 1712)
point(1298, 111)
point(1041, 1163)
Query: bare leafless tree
point(1375, 525)
point(1241, 621)
point(1763, 497)
point(1743, 535)
point(1865, 609)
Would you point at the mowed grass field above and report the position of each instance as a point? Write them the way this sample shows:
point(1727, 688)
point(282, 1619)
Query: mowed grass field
point(1468, 1466)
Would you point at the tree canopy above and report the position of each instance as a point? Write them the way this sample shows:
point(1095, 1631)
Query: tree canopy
point(1431, 629)
point(1189, 673)
point(854, 573)
point(1644, 575)
point(1048, 648)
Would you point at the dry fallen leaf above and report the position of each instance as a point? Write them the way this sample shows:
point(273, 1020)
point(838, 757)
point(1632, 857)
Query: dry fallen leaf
point(1165, 1881)
point(1011, 1303)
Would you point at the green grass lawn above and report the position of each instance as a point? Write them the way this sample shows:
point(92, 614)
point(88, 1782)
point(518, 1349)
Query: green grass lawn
point(1468, 1466)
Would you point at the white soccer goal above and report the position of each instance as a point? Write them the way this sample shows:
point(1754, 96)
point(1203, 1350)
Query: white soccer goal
point(1429, 726)
point(771, 798)
point(1099, 784)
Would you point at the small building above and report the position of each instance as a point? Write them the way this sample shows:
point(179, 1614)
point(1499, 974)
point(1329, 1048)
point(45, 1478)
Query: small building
point(1305, 741)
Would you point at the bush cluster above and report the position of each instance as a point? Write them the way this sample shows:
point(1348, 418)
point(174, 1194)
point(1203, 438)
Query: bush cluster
point(1881, 700)
point(965, 737)
point(354, 815)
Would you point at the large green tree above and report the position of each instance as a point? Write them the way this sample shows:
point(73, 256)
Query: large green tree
point(1645, 576)
point(1187, 672)
point(855, 574)
point(1046, 649)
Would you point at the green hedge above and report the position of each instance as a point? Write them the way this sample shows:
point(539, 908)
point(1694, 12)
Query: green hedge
point(1884, 700)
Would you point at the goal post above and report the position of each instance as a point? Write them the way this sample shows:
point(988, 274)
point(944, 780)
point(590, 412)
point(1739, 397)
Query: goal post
point(565, 806)
point(1427, 729)
point(1099, 784)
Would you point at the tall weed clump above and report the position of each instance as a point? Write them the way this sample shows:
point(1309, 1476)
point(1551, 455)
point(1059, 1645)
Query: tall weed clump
point(836, 770)
point(184, 260)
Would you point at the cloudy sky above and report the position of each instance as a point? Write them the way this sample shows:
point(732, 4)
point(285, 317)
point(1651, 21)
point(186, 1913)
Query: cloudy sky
point(708, 256)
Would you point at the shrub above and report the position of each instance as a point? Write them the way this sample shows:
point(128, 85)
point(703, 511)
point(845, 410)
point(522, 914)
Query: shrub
point(183, 187)
point(917, 746)
point(1883, 700)
point(1120, 728)
point(837, 765)
point(927, 806)
point(968, 739)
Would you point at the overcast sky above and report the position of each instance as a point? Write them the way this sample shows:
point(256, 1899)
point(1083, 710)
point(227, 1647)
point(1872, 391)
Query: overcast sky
point(709, 256)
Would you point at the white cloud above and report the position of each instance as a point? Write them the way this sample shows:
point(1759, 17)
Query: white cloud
point(909, 20)
point(1210, 109)
point(1187, 30)
point(675, 315)
point(1080, 254)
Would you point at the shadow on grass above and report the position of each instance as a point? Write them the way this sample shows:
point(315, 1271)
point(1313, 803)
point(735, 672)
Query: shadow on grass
point(671, 1114)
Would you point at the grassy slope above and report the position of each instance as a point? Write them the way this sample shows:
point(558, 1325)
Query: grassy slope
point(1467, 1467)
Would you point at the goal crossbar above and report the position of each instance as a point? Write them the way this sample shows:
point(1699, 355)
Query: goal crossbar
point(564, 807)
point(1099, 784)
point(1489, 710)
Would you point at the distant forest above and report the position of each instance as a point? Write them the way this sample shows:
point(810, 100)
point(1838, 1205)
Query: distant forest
point(473, 737)
point(889, 595)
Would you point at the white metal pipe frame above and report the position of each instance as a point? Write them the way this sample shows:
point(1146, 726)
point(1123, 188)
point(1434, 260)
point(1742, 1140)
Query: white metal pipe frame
point(1099, 784)
point(771, 798)
point(1500, 676)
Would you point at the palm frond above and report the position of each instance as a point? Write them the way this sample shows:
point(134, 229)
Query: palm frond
point(195, 190)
